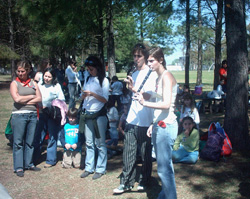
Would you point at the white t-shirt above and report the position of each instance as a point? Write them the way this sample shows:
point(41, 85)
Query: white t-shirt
point(113, 115)
point(188, 112)
point(49, 93)
point(90, 103)
point(71, 75)
point(139, 115)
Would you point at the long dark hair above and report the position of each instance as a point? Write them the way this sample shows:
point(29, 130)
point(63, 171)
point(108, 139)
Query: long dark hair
point(53, 73)
point(96, 63)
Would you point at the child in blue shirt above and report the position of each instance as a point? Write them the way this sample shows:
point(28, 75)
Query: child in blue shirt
point(72, 140)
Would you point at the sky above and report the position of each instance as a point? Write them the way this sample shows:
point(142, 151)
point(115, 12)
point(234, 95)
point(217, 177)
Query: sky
point(177, 53)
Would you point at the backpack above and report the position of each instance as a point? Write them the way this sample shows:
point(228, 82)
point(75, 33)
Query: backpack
point(213, 147)
point(227, 148)
point(54, 113)
point(218, 143)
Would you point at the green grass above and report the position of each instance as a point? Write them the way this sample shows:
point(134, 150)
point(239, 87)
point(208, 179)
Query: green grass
point(207, 78)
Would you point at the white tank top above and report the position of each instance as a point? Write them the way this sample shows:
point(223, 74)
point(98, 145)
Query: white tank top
point(166, 115)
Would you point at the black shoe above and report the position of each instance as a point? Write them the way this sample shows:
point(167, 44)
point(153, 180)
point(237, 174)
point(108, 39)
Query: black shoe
point(20, 173)
point(33, 168)
point(85, 174)
point(97, 175)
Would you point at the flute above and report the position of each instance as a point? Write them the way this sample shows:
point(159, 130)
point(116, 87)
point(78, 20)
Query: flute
point(144, 81)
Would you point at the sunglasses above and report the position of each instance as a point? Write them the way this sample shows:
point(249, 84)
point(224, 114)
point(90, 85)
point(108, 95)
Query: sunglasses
point(89, 63)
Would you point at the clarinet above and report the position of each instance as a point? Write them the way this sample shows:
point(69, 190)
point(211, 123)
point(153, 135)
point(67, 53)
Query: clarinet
point(144, 81)
point(133, 70)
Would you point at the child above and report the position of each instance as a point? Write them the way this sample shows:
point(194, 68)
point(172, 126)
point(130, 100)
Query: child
point(189, 109)
point(113, 118)
point(186, 146)
point(71, 139)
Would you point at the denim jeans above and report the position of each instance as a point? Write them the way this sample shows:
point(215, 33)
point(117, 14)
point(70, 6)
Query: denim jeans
point(23, 127)
point(45, 124)
point(113, 136)
point(93, 143)
point(163, 141)
point(72, 94)
point(182, 155)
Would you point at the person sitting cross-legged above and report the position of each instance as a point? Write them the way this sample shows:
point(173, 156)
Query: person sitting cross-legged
point(186, 146)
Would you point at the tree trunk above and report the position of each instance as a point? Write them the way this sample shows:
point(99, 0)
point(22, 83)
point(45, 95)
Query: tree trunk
point(111, 45)
point(187, 60)
point(12, 41)
point(100, 34)
point(218, 29)
point(236, 117)
point(199, 67)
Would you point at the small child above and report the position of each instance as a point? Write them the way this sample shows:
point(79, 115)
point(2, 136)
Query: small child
point(72, 140)
point(186, 146)
point(189, 109)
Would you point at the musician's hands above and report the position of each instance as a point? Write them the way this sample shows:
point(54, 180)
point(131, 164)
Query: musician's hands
point(130, 82)
point(139, 97)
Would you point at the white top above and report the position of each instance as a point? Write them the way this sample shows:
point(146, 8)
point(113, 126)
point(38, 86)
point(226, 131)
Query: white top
point(166, 115)
point(90, 103)
point(116, 88)
point(49, 93)
point(188, 112)
point(71, 75)
point(113, 115)
point(139, 115)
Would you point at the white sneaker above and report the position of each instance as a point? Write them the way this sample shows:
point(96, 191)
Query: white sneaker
point(141, 188)
point(121, 189)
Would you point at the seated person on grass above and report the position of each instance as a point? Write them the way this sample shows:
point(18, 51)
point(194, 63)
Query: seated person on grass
point(186, 146)
point(72, 140)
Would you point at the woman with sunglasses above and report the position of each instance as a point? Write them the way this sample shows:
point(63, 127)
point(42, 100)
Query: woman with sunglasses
point(164, 128)
point(93, 120)
point(26, 95)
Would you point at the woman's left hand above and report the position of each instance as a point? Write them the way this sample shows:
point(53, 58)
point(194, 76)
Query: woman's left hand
point(139, 98)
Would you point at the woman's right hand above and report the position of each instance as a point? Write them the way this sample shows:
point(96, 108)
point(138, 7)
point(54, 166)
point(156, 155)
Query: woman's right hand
point(149, 131)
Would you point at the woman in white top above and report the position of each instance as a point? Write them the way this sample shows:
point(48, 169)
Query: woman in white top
point(50, 90)
point(164, 128)
point(93, 119)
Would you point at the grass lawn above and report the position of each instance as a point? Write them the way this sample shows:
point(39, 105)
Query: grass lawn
point(207, 78)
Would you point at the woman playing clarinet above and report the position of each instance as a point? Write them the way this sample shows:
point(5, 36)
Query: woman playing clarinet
point(164, 128)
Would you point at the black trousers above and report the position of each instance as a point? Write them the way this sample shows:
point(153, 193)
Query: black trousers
point(136, 139)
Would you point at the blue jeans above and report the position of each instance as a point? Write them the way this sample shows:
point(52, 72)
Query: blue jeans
point(182, 155)
point(44, 124)
point(93, 143)
point(72, 94)
point(163, 141)
point(23, 127)
point(114, 136)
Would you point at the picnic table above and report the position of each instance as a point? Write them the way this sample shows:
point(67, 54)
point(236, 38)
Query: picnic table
point(206, 104)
